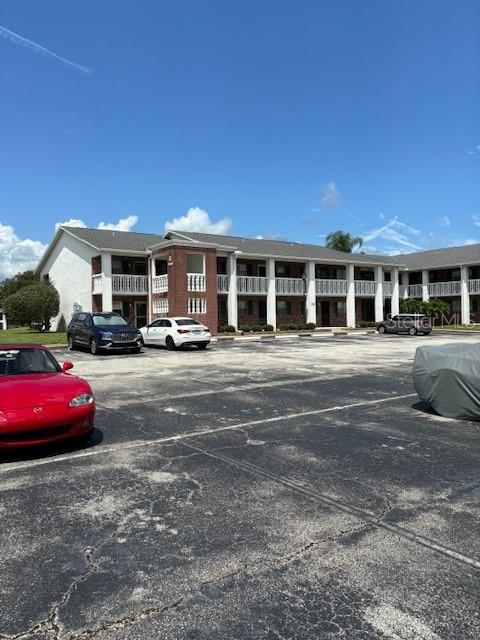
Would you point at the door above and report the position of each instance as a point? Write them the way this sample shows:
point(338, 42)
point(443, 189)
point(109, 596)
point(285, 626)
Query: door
point(140, 314)
point(154, 332)
point(368, 310)
point(262, 312)
point(325, 313)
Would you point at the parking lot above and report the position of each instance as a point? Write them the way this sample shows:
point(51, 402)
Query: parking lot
point(274, 489)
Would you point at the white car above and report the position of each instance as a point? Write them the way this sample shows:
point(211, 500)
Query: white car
point(176, 332)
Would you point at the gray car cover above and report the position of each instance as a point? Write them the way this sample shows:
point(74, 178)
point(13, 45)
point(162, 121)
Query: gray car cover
point(448, 378)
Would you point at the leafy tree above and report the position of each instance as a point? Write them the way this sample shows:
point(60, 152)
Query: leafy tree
point(34, 304)
point(411, 305)
point(343, 241)
point(20, 280)
point(434, 308)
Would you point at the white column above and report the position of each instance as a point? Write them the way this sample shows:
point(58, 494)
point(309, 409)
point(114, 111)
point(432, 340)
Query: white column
point(106, 282)
point(405, 280)
point(271, 294)
point(232, 309)
point(465, 302)
point(395, 302)
point(149, 288)
point(350, 271)
point(311, 297)
point(425, 280)
point(378, 293)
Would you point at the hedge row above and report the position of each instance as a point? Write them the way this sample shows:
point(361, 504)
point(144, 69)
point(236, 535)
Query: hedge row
point(363, 324)
point(258, 328)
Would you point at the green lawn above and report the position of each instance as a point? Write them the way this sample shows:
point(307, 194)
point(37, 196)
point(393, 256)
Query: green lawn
point(23, 334)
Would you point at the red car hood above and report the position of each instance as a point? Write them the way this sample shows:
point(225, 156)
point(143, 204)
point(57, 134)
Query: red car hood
point(39, 389)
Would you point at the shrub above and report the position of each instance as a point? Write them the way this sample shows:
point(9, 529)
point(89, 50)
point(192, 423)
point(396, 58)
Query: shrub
point(268, 327)
point(221, 329)
point(257, 327)
point(229, 328)
point(370, 323)
point(311, 326)
point(284, 327)
point(33, 305)
point(246, 328)
point(362, 324)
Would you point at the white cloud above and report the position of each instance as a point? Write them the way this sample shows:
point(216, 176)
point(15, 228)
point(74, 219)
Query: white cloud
point(331, 196)
point(17, 255)
point(124, 224)
point(395, 232)
point(71, 222)
point(381, 215)
point(476, 221)
point(197, 219)
point(445, 220)
point(34, 46)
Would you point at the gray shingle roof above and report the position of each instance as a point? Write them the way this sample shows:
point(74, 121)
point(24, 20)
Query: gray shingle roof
point(438, 258)
point(265, 247)
point(116, 240)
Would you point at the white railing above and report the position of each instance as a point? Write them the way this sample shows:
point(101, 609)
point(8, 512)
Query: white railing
point(195, 282)
point(436, 289)
point(364, 287)
point(129, 284)
point(474, 286)
point(251, 284)
point(160, 306)
point(196, 305)
point(387, 288)
point(290, 286)
point(415, 290)
point(331, 287)
point(160, 284)
point(97, 283)
point(222, 283)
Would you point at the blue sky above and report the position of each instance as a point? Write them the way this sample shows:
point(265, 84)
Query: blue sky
point(281, 119)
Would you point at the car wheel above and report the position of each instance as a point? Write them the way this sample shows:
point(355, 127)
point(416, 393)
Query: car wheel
point(93, 346)
point(412, 331)
point(170, 344)
point(71, 343)
point(381, 329)
point(202, 346)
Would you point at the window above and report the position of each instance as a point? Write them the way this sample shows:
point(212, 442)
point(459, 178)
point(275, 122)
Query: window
point(302, 307)
point(165, 323)
point(182, 322)
point(160, 306)
point(140, 268)
point(339, 308)
point(245, 307)
point(222, 305)
point(160, 267)
point(387, 276)
point(197, 305)
point(284, 307)
point(241, 269)
point(262, 271)
point(195, 263)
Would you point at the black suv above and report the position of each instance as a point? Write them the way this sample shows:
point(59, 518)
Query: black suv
point(411, 323)
point(107, 331)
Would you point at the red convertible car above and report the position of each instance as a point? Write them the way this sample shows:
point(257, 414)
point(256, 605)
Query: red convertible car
point(39, 401)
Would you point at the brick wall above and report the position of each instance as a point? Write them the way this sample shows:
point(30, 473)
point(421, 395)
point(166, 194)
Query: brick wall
point(296, 316)
point(336, 317)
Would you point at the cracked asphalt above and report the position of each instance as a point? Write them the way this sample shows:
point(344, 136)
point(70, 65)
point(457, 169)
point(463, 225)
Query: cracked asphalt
point(289, 489)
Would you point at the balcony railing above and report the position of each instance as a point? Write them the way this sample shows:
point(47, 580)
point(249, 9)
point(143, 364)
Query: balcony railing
point(195, 282)
point(129, 284)
point(436, 289)
point(474, 286)
point(97, 283)
point(290, 286)
point(251, 284)
point(222, 283)
point(364, 288)
point(160, 284)
point(331, 287)
point(415, 291)
point(387, 288)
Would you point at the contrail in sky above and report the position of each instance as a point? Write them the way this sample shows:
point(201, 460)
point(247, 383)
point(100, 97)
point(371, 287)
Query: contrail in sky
point(25, 42)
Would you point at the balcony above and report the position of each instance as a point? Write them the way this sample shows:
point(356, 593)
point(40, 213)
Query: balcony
point(387, 288)
point(364, 288)
point(195, 282)
point(415, 291)
point(438, 289)
point(160, 284)
point(290, 286)
point(122, 284)
point(97, 283)
point(331, 287)
point(222, 283)
point(251, 284)
point(474, 286)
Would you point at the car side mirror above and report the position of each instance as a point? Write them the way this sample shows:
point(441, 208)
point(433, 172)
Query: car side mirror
point(66, 366)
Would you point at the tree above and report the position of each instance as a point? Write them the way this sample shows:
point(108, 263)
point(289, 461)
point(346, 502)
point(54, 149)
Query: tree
point(343, 241)
point(34, 304)
point(434, 308)
point(20, 280)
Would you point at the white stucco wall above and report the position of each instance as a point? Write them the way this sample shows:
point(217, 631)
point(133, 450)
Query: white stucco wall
point(69, 268)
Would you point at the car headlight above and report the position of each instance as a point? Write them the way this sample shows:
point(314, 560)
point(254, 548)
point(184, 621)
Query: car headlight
point(106, 334)
point(81, 401)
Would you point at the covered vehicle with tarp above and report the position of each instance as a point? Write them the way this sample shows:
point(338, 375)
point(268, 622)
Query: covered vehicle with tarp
point(447, 377)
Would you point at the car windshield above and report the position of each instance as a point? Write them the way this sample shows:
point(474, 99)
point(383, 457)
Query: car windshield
point(113, 320)
point(183, 321)
point(30, 360)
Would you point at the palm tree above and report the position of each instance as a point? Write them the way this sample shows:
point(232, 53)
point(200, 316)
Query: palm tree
point(343, 241)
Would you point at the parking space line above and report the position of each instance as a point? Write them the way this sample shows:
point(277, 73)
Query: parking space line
point(198, 433)
point(363, 514)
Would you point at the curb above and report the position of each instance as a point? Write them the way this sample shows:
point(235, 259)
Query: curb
point(285, 334)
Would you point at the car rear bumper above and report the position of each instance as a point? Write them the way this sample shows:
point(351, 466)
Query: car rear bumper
point(76, 423)
point(193, 339)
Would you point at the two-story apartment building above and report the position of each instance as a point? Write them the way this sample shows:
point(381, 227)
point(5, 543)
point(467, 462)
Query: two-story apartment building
point(230, 280)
